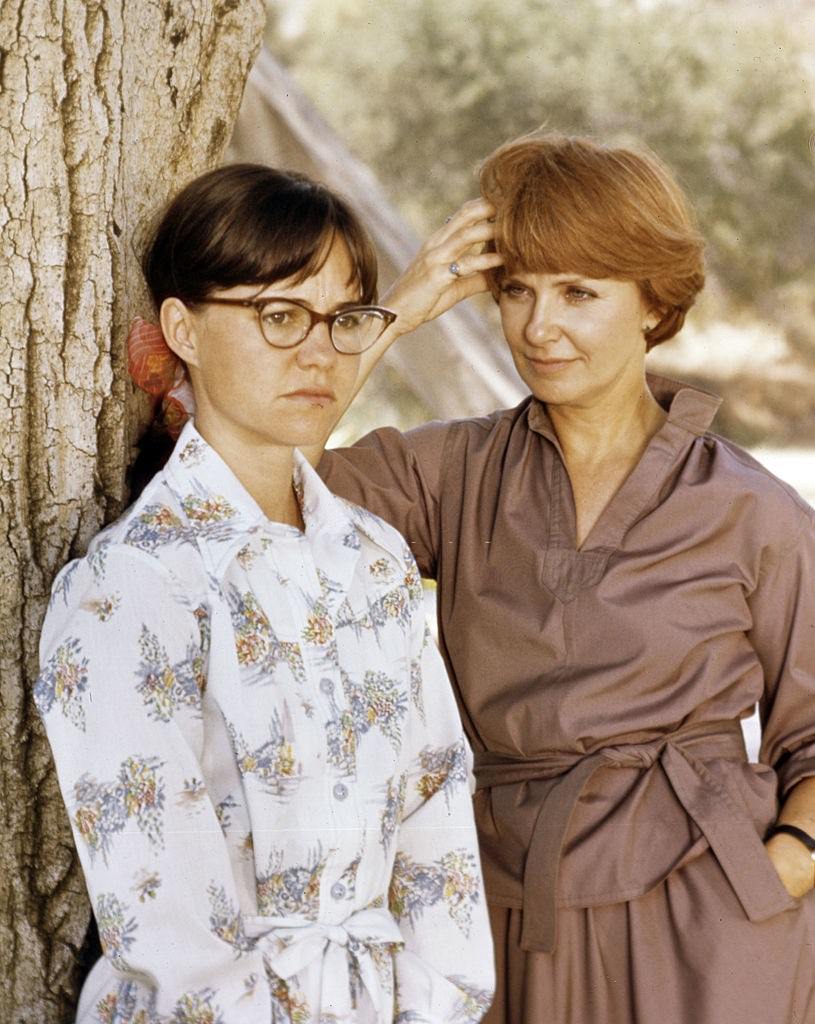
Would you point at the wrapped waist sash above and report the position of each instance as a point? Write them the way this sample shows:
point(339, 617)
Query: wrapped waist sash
point(681, 754)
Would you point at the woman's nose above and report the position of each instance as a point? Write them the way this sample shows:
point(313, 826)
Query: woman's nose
point(544, 323)
point(316, 348)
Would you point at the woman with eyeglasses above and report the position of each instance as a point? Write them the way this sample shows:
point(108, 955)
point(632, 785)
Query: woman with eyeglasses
point(617, 588)
point(258, 747)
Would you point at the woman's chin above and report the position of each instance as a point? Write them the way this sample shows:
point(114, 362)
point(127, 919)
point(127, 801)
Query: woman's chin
point(264, 431)
point(551, 392)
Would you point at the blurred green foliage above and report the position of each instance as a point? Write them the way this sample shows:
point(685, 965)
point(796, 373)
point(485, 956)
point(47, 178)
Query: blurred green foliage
point(723, 91)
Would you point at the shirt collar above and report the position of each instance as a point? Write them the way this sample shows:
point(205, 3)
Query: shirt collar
point(687, 406)
point(339, 520)
point(220, 512)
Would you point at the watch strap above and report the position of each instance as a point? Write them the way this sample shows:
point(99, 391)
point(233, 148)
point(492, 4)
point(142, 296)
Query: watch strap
point(796, 833)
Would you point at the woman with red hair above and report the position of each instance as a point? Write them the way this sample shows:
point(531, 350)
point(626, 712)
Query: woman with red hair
point(617, 588)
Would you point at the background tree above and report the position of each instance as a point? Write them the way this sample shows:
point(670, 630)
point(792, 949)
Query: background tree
point(723, 90)
point(424, 89)
point(106, 106)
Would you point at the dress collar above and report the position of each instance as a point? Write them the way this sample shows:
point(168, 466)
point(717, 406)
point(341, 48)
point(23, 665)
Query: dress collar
point(687, 406)
point(567, 570)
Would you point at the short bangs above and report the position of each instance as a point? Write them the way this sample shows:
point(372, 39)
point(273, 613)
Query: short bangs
point(248, 224)
point(566, 204)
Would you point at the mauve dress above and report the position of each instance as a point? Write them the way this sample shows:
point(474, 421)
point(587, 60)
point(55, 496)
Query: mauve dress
point(620, 822)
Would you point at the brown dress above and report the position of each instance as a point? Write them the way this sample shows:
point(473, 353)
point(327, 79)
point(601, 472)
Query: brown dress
point(601, 688)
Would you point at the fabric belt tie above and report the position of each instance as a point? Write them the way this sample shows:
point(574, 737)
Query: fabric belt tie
point(291, 945)
point(731, 835)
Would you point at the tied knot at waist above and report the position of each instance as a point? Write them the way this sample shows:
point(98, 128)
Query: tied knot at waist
point(704, 739)
point(290, 945)
point(681, 755)
point(632, 755)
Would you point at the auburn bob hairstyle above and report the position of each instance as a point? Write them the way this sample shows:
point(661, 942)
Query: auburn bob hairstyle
point(250, 224)
point(567, 204)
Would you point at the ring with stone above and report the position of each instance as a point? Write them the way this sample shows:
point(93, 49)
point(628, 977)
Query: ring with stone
point(454, 269)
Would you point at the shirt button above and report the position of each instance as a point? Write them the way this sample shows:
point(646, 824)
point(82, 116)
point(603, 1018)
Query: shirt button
point(340, 791)
point(327, 685)
point(337, 891)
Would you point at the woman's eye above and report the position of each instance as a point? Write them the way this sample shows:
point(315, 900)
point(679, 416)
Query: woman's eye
point(348, 321)
point(514, 291)
point(276, 317)
point(579, 294)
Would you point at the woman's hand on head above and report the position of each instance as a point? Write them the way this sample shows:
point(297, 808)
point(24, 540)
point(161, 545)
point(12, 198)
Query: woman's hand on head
point(428, 287)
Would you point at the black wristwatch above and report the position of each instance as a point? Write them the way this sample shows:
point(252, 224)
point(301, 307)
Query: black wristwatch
point(796, 833)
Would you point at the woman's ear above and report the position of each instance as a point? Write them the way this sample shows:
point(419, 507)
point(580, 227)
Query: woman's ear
point(649, 323)
point(179, 329)
point(651, 318)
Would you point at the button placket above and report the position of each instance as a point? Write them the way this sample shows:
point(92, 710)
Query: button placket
point(325, 689)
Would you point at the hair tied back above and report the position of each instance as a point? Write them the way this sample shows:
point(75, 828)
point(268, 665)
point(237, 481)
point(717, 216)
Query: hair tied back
point(157, 370)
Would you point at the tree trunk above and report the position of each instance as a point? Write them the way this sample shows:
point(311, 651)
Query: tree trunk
point(106, 106)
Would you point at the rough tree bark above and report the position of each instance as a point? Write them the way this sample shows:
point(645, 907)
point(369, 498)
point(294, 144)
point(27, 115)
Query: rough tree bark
point(105, 107)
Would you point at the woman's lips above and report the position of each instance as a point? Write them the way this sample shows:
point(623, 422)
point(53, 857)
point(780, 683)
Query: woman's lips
point(550, 365)
point(316, 396)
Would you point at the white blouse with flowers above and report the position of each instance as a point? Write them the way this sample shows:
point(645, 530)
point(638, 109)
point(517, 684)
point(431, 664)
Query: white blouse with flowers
point(263, 765)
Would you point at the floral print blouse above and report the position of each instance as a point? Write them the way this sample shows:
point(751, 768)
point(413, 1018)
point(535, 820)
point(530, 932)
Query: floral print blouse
point(263, 765)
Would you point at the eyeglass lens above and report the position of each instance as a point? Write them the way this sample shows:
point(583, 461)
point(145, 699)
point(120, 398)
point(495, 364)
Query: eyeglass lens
point(285, 324)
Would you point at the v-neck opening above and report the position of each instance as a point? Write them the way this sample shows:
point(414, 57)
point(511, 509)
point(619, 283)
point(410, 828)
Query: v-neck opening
point(567, 568)
point(636, 488)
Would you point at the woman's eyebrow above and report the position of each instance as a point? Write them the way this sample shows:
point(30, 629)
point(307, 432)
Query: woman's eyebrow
point(518, 278)
point(337, 307)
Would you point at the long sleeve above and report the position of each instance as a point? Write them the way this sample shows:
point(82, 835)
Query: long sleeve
point(123, 668)
point(445, 972)
point(398, 477)
point(783, 635)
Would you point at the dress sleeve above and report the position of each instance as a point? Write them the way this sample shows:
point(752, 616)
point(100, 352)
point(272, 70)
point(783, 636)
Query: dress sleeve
point(397, 476)
point(445, 973)
point(123, 669)
point(783, 635)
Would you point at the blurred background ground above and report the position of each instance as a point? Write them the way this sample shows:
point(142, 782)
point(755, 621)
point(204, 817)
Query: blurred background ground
point(724, 90)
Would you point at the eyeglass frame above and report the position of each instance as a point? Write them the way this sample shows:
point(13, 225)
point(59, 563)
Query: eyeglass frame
point(316, 318)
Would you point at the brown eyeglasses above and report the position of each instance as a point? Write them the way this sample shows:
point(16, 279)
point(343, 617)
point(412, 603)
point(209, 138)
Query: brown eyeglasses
point(284, 323)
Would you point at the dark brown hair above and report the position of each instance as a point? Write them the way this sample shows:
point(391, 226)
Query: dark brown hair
point(567, 204)
point(249, 224)
point(236, 225)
